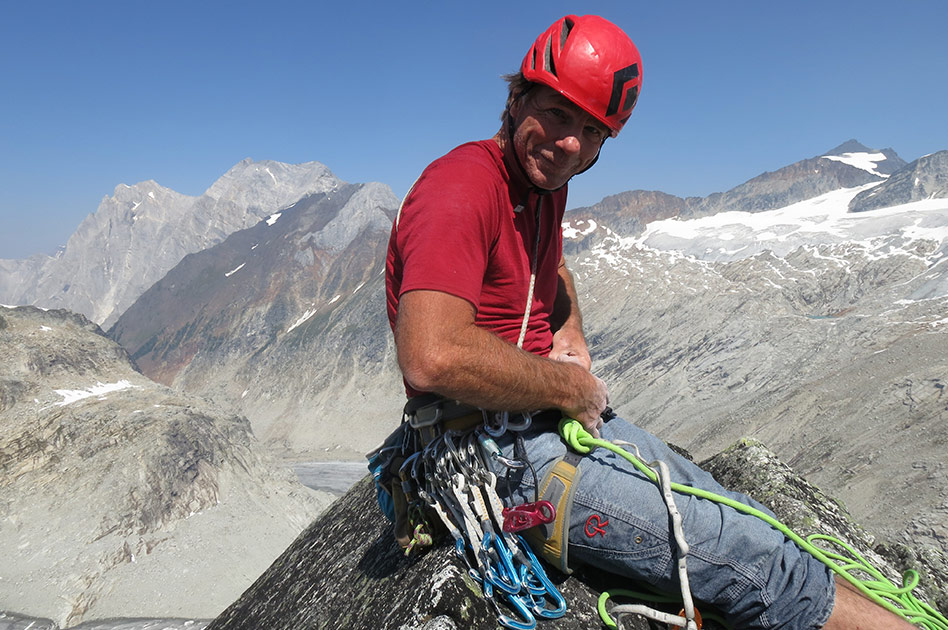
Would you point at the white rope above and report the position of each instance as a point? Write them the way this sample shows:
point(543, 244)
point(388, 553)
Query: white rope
point(533, 277)
point(688, 622)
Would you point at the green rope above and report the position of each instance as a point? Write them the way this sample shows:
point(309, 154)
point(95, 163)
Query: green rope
point(880, 590)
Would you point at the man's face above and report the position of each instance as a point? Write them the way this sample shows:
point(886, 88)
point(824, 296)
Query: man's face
point(554, 138)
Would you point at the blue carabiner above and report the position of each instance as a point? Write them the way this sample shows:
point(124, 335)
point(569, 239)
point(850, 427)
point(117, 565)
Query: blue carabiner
point(529, 622)
point(558, 605)
point(546, 590)
point(507, 579)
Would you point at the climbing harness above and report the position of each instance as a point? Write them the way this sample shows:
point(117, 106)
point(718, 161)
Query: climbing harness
point(845, 562)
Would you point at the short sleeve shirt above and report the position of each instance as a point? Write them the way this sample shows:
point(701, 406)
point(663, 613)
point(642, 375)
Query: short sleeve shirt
point(469, 228)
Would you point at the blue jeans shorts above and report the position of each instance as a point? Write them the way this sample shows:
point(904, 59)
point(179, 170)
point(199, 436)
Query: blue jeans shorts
point(739, 564)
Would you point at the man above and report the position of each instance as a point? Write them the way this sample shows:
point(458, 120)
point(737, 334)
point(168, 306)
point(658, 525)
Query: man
point(484, 312)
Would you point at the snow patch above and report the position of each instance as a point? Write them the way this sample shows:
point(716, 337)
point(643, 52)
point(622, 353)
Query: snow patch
point(234, 270)
point(274, 217)
point(572, 232)
point(308, 314)
point(335, 299)
point(99, 389)
point(825, 219)
point(45, 328)
point(865, 161)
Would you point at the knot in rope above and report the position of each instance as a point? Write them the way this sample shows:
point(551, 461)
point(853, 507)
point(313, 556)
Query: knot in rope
point(576, 436)
point(420, 539)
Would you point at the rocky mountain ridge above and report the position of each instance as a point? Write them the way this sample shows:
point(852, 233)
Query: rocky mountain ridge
point(120, 497)
point(281, 322)
point(142, 231)
point(849, 165)
point(925, 178)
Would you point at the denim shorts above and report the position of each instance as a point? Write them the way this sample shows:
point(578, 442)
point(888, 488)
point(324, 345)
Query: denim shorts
point(737, 563)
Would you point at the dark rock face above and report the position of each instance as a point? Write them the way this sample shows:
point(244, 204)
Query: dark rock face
point(925, 178)
point(345, 571)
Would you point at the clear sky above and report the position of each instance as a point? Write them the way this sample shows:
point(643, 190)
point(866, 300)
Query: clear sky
point(98, 93)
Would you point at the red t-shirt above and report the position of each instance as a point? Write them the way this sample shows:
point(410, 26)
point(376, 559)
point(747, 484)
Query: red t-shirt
point(468, 228)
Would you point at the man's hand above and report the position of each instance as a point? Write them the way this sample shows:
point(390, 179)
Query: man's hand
point(589, 408)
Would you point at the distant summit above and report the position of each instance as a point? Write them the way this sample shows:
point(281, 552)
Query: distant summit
point(142, 231)
point(882, 162)
point(278, 319)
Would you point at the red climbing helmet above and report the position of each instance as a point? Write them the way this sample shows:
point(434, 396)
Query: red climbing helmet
point(590, 61)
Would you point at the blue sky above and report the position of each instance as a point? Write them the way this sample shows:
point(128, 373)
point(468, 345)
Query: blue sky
point(99, 93)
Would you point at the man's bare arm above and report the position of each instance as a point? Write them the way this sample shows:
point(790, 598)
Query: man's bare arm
point(569, 342)
point(442, 350)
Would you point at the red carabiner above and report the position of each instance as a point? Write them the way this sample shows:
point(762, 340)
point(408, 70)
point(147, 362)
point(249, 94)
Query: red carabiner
point(528, 515)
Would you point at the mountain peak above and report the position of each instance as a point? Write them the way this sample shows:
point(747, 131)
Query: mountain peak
point(270, 183)
point(850, 146)
point(879, 162)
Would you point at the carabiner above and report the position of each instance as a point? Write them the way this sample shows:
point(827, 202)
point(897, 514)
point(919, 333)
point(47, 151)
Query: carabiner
point(558, 601)
point(506, 578)
point(491, 452)
point(536, 571)
point(526, 419)
point(499, 426)
point(529, 621)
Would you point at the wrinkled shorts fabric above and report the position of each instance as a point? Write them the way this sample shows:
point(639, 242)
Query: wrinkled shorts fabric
point(619, 522)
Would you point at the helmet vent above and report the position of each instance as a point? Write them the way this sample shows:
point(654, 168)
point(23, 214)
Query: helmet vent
point(548, 64)
point(564, 32)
